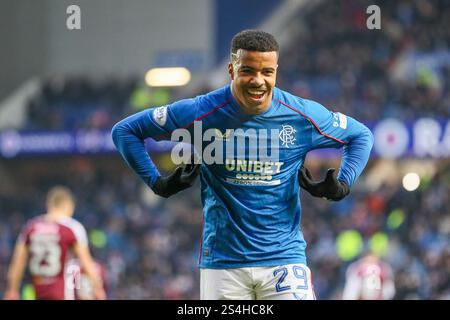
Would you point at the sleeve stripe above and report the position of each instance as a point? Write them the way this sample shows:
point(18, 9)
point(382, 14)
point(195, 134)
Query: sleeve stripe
point(197, 119)
point(313, 123)
point(208, 113)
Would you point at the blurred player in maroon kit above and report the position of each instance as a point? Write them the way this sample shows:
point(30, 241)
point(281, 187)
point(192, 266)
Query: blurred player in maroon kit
point(369, 278)
point(46, 243)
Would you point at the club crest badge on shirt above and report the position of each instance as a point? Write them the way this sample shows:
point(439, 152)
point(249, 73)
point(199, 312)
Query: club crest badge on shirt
point(287, 135)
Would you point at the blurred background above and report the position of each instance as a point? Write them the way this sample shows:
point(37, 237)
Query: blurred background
point(62, 90)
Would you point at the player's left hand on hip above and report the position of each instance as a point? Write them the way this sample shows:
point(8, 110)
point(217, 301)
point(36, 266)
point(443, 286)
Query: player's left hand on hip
point(330, 188)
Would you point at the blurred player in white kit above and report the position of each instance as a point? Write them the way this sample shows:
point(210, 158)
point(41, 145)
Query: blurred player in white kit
point(369, 278)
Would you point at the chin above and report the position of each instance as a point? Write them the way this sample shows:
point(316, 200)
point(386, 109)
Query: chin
point(255, 108)
point(259, 103)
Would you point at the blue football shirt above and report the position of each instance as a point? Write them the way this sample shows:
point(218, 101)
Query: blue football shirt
point(251, 203)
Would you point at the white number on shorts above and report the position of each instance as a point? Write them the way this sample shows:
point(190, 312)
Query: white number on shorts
point(298, 271)
point(284, 273)
point(45, 256)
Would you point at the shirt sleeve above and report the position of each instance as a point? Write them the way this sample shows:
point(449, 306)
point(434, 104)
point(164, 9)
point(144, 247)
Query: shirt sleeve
point(80, 233)
point(157, 123)
point(336, 130)
point(352, 286)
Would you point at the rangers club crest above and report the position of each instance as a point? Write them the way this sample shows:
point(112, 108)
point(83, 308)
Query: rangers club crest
point(287, 135)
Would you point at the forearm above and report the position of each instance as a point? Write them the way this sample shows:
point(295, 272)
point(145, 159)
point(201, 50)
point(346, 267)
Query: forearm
point(88, 265)
point(128, 136)
point(14, 278)
point(93, 275)
point(17, 268)
point(355, 156)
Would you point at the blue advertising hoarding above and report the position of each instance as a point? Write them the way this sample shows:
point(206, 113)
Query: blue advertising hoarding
point(394, 139)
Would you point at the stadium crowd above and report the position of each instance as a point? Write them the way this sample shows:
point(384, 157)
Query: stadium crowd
point(150, 247)
point(401, 70)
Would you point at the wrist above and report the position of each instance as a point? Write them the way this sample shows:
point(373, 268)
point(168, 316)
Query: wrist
point(342, 192)
point(157, 185)
point(152, 180)
point(345, 188)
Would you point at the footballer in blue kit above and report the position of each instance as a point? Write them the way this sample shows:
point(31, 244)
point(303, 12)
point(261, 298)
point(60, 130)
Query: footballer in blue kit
point(254, 138)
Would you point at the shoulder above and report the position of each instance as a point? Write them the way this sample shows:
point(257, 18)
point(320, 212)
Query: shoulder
point(32, 223)
point(75, 227)
point(214, 99)
point(198, 104)
point(312, 110)
point(27, 228)
point(185, 112)
point(353, 269)
point(290, 101)
point(386, 269)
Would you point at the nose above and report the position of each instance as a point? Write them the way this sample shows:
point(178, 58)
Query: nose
point(257, 79)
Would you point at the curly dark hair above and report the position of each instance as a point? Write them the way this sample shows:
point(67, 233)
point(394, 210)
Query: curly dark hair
point(254, 40)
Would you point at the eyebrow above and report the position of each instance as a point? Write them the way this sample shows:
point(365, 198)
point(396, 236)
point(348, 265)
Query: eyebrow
point(249, 67)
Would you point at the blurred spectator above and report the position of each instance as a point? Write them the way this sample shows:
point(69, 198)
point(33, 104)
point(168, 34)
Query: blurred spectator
point(369, 278)
point(150, 248)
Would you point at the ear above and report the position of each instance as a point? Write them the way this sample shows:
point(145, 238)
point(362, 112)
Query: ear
point(231, 70)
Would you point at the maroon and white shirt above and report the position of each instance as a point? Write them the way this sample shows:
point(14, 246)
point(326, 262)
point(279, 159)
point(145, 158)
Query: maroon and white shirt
point(77, 278)
point(369, 279)
point(50, 246)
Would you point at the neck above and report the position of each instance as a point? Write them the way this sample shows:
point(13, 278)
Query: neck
point(54, 215)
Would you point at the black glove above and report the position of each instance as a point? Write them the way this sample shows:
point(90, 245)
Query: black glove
point(330, 188)
point(182, 178)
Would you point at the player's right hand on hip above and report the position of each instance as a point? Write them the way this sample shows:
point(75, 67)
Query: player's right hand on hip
point(182, 178)
point(330, 188)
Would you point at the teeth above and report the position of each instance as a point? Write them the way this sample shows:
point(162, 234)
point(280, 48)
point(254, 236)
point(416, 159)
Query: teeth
point(256, 92)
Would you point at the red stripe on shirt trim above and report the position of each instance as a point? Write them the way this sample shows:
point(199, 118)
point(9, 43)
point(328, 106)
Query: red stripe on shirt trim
point(198, 118)
point(208, 113)
point(313, 123)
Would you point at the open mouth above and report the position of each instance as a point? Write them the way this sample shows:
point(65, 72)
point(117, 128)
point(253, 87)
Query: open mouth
point(256, 95)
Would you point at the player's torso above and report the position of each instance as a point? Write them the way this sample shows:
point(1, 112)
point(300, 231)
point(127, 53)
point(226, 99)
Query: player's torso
point(373, 276)
point(250, 186)
point(261, 150)
point(49, 246)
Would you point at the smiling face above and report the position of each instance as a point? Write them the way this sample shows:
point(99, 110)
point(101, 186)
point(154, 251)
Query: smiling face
point(253, 75)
